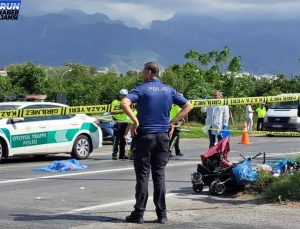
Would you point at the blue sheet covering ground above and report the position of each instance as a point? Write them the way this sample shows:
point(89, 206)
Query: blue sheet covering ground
point(62, 166)
point(243, 173)
point(280, 166)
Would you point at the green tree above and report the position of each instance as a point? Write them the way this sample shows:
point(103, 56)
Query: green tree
point(223, 58)
point(235, 64)
point(28, 76)
point(193, 55)
point(204, 59)
point(7, 89)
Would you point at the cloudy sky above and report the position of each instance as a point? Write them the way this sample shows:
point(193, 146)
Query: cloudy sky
point(142, 12)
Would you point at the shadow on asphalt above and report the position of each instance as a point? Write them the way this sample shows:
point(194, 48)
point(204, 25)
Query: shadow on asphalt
point(34, 159)
point(206, 197)
point(111, 179)
point(45, 158)
point(32, 217)
point(96, 218)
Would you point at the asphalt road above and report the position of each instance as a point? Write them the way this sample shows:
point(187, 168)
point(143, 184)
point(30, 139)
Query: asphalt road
point(103, 194)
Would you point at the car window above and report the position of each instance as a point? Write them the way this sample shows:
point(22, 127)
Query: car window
point(34, 119)
point(58, 117)
point(285, 105)
point(8, 107)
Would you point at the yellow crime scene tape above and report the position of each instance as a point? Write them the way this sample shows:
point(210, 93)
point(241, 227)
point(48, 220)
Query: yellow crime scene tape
point(277, 133)
point(96, 109)
point(283, 133)
point(272, 133)
point(245, 100)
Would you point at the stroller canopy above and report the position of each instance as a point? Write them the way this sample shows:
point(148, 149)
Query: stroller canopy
point(221, 150)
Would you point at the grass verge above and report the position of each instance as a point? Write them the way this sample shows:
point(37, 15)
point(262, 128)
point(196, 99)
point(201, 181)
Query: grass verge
point(284, 188)
point(195, 130)
point(192, 130)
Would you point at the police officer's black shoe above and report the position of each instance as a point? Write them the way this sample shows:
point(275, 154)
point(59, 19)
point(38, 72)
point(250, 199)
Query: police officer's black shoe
point(171, 155)
point(114, 157)
point(134, 219)
point(163, 220)
point(123, 157)
point(179, 154)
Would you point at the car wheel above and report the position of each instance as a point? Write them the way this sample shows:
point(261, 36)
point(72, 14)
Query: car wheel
point(81, 148)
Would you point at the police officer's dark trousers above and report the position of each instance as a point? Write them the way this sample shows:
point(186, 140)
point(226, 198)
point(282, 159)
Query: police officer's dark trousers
point(260, 124)
point(212, 138)
point(151, 153)
point(175, 137)
point(119, 141)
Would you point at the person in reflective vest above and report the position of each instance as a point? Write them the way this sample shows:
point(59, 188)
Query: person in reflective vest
point(120, 118)
point(174, 142)
point(261, 113)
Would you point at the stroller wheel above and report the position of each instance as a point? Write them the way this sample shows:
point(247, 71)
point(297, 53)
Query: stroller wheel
point(198, 188)
point(212, 187)
point(217, 188)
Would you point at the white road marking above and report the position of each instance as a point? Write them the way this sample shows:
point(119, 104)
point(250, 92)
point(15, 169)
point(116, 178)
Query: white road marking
point(83, 173)
point(268, 155)
point(96, 207)
point(278, 154)
point(248, 154)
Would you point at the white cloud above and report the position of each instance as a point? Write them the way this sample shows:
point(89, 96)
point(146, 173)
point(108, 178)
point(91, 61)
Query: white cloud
point(144, 11)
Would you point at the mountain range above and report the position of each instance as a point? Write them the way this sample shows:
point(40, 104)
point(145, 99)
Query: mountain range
point(265, 46)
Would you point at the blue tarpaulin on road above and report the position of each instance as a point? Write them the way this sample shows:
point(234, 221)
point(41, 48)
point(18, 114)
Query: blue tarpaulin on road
point(282, 165)
point(243, 173)
point(62, 166)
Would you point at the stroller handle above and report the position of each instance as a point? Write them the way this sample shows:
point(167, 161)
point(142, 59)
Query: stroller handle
point(257, 155)
point(261, 153)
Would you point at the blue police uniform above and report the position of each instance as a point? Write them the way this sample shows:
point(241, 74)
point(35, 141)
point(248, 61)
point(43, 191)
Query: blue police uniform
point(154, 101)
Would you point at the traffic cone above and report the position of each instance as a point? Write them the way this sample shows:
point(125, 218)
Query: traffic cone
point(245, 135)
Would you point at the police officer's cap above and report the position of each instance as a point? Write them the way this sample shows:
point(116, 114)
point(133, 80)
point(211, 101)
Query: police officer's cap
point(123, 92)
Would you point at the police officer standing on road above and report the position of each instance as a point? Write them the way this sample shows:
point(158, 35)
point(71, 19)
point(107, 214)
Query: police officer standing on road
point(261, 113)
point(176, 134)
point(120, 128)
point(154, 101)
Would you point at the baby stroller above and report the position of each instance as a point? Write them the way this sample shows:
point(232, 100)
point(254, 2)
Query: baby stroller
point(216, 171)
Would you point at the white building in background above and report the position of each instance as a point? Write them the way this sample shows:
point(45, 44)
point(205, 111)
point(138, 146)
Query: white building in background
point(3, 72)
point(258, 77)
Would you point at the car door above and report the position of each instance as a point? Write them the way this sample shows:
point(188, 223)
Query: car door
point(30, 135)
point(61, 131)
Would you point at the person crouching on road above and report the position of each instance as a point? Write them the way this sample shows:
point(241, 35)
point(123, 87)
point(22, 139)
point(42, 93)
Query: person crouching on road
point(120, 118)
point(217, 118)
point(150, 129)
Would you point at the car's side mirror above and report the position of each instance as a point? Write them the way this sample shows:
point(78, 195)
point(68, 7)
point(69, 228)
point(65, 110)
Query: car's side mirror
point(15, 120)
point(298, 113)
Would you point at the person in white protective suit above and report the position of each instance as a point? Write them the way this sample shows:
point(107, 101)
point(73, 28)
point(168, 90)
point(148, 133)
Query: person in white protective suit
point(217, 118)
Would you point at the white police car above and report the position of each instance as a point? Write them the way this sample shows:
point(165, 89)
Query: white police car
point(77, 135)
